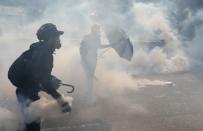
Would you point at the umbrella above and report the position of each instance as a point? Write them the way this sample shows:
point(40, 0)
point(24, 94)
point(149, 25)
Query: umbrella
point(120, 42)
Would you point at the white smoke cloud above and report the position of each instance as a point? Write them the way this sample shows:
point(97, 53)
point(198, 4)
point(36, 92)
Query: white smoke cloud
point(148, 22)
point(166, 58)
point(152, 18)
point(8, 117)
point(158, 61)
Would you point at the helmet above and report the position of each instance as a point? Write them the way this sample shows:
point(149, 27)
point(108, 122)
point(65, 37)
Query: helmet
point(47, 30)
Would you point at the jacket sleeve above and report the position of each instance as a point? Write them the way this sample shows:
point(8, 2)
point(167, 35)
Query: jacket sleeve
point(46, 77)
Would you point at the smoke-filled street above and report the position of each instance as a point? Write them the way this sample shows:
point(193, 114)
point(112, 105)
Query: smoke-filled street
point(90, 65)
point(151, 108)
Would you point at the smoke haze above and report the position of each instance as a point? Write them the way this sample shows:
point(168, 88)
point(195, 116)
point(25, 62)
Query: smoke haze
point(166, 36)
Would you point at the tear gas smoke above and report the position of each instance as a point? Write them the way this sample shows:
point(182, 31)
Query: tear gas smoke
point(143, 22)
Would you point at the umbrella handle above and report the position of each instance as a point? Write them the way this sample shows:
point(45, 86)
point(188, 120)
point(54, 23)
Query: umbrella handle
point(73, 88)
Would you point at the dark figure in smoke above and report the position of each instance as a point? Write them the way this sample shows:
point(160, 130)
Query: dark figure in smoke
point(31, 72)
point(88, 52)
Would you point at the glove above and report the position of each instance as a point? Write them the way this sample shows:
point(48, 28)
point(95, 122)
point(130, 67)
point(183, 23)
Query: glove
point(55, 82)
point(65, 107)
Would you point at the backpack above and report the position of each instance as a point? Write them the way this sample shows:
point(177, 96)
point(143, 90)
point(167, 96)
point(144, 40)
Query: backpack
point(19, 70)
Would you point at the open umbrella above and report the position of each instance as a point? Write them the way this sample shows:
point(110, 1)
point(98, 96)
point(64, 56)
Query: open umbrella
point(120, 42)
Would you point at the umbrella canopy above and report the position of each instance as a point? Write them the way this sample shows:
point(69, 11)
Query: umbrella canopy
point(120, 42)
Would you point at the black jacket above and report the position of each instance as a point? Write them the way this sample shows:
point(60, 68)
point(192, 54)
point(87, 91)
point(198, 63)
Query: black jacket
point(38, 70)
